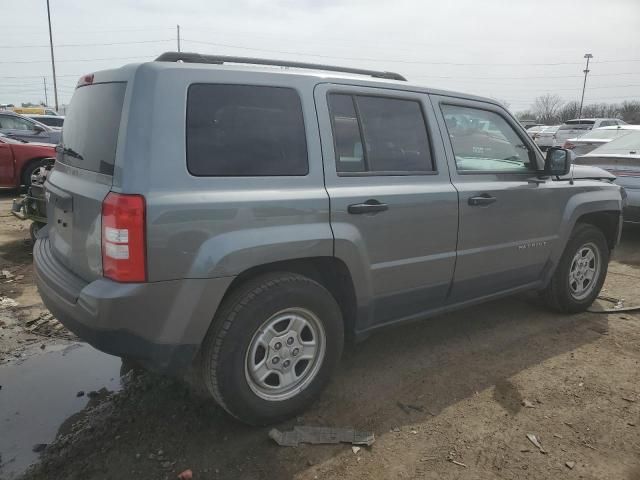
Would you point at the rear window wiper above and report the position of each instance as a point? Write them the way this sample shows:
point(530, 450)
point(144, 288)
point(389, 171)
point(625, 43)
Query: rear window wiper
point(69, 151)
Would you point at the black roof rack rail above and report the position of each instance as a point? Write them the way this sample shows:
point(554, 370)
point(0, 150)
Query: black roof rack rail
point(187, 57)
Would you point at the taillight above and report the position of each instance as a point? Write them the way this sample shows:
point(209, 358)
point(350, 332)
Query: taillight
point(123, 238)
point(568, 145)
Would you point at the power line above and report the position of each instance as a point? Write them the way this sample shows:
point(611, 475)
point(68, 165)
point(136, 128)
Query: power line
point(90, 44)
point(456, 77)
point(80, 60)
point(389, 60)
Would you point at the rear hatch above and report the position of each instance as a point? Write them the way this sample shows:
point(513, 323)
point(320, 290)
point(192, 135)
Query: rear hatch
point(573, 129)
point(83, 176)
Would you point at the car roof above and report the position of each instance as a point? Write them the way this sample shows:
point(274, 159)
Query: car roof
point(315, 75)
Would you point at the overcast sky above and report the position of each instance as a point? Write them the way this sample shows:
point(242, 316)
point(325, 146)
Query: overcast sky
point(512, 50)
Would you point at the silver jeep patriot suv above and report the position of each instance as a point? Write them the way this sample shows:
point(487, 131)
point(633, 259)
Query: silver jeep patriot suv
point(238, 218)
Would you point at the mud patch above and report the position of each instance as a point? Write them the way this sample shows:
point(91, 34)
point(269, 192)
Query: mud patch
point(40, 392)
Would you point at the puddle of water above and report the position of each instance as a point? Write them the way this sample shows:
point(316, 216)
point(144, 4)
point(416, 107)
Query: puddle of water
point(39, 393)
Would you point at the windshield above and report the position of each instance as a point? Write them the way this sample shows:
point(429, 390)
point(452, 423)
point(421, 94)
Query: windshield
point(90, 133)
point(625, 145)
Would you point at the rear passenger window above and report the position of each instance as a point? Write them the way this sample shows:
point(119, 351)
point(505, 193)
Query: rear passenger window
point(242, 130)
point(394, 132)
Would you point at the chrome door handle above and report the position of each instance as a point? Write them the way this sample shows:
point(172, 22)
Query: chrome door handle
point(370, 206)
point(481, 200)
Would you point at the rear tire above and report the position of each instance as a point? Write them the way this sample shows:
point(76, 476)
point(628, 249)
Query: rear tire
point(273, 346)
point(581, 272)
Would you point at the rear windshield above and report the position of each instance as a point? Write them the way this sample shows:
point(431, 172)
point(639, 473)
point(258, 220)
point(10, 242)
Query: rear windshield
point(575, 125)
point(90, 132)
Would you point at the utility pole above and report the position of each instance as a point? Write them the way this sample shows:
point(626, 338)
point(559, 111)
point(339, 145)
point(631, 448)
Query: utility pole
point(44, 82)
point(53, 62)
point(178, 37)
point(588, 56)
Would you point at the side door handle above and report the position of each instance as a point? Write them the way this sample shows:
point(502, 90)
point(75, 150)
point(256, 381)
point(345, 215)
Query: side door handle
point(370, 206)
point(481, 200)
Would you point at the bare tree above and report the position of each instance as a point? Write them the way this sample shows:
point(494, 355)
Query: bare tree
point(525, 115)
point(630, 111)
point(569, 111)
point(547, 107)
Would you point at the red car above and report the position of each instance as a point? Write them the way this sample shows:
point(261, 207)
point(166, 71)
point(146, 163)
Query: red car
point(19, 159)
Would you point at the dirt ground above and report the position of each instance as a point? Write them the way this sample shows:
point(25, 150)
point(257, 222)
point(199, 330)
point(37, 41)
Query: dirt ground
point(449, 398)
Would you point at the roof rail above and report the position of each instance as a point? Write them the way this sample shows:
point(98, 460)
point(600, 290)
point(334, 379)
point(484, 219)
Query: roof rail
point(220, 59)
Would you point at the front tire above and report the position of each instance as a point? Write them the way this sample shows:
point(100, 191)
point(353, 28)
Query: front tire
point(581, 272)
point(272, 347)
point(30, 169)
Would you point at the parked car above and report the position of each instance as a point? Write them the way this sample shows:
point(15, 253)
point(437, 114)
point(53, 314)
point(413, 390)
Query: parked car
point(32, 206)
point(621, 157)
point(34, 110)
point(546, 138)
point(596, 138)
point(535, 130)
point(22, 128)
point(270, 212)
point(527, 123)
point(53, 121)
point(578, 127)
point(19, 160)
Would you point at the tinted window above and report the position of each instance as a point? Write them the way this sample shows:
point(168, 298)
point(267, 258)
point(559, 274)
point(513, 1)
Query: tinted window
point(577, 125)
point(346, 134)
point(484, 141)
point(395, 135)
point(52, 122)
point(394, 131)
point(91, 127)
point(241, 130)
point(580, 122)
point(11, 122)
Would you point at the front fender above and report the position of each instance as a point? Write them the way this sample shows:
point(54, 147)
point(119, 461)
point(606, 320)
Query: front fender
point(579, 205)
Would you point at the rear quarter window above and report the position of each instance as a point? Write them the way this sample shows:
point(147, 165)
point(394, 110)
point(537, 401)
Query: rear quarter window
point(245, 130)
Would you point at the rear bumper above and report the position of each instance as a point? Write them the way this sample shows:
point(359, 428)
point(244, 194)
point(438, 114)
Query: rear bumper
point(160, 324)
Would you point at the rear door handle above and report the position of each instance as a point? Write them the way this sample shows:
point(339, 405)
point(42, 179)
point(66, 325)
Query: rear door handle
point(481, 200)
point(370, 206)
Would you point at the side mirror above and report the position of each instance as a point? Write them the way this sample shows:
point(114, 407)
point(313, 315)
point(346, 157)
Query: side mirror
point(558, 162)
point(38, 129)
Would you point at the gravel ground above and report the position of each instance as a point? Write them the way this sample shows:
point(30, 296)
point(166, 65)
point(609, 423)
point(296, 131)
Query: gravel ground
point(478, 381)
